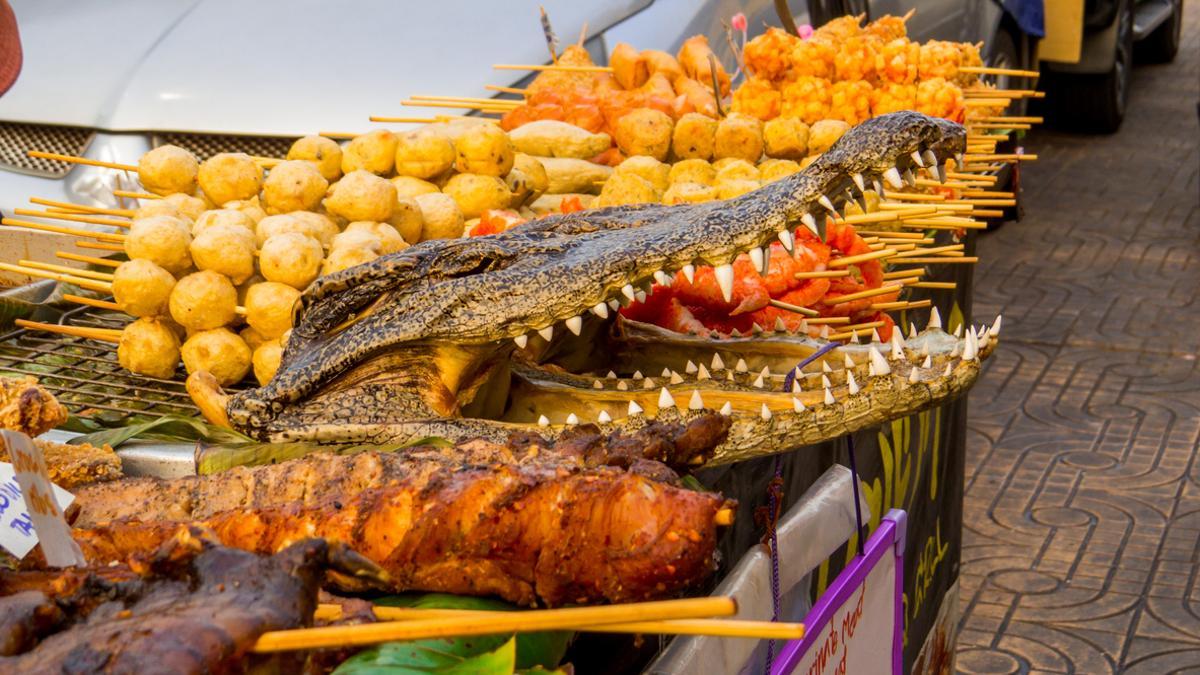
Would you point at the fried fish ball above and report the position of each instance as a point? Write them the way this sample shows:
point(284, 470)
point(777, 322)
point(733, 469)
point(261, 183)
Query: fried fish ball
point(485, 150)
point(531, 167)
point(219, 352)
point(520, 188)
point(645, 131)
point(225, 249)
point(441, 217)
point(149, 347)
point(823, 134)
point(735, 187)
point(627, 188)
point(870, 197)
point(324, 153)
point(251, 337)
point(407, 220)
point(390, 240)
point(188, 206)
point(344, 258)
point(735, 169)
point(318, 226)
point(168, 169)
point(374, 152)
point(774, 169)
point(361, 195)
point(251, 207)
point(230, 176)
point(692, 171)
point(658, 173)
point(476, 193)
point(157, 207)
point(424, 154)
point(142, 288)
point(273, 225)
point(162, 240)
point(203, 300)
point(739, 135)
point(358, 239)
point(694, 137)
point(689, 193)
point(266, 359)
point(269, 308)
point(293, 186)
point(214, 217)
point(291, 258)
point(408, 187)
point(785, 138)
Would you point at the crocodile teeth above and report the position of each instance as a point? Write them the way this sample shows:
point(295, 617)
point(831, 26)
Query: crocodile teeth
point(572, 420)
point(940, 171)
point(597, 384)
point(878, 186)
point(797, 405)
point(741, 366)
point(634, 408)
point(766, 264)
point(756, 329)
point(622, 386)
point(892, 176)
point(611, 375)
point(666, 372)
point(928, 362)
point(829, 399)
point(898, 338)
point(985, 335)
point(614, 304)
point(702, 372)
point(735, 333)
point(600, 310)
point(662, 278)
point(695, 403)
point(935, 319)
point(727, 409)
point(803, 326)
point(930, 158)
point(690, 368)
point(796, 386)
point(765, 413)
point(897, 346)
point(954, 352)
point(665, 400)
point(959, 160)
point(851, 383)
point(858, 181)
point(521, 341)
point(717, 363)
point(780, 326)
point(912, 330)
point(766, 371)
point(969, 348)
point(756, 257)
point(946, 373)
point(689, 271)
point(648, 383)
point(875, 336)
point(996, 326)
point(825, 332)
point(543, 421)
point(675, 378)
point(637, 375)
point(575, 324)
point(854, 337)
point(825, 381)
point(603, 417)
point(916, 158)
point(785, 238)
point(912, 376)
point(627, 291)
point(758, 382)
point(847, 361)
point(909, 178)
point(878, 363)
point(810, 223)
point(826, 204)
point(547, 333)
point(958, 331)
point(825, 368)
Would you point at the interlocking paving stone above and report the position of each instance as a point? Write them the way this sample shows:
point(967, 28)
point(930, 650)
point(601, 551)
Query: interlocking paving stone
point(1081, 543)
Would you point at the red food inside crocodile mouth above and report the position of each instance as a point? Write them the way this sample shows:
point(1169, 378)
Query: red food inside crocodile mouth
point(698, 306)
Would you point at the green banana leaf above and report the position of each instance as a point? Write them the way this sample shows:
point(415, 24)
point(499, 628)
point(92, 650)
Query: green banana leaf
point(216, 458)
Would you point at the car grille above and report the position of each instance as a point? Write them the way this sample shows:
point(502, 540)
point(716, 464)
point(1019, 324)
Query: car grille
point(17, 138)
point(204, 146)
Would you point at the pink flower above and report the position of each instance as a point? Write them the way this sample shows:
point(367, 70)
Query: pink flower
point(739, 22)
point(806, 31)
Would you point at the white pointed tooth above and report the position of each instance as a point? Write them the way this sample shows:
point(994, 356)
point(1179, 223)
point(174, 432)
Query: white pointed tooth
point(916, 158)
point(909, 178)
point(955, 350)
point(759, 383)
point(829, 399)
point(858, 181)
point(741, 366)
point(930, 158)
point(547, 333)
point(574, 324)
point(785, 238)
point(928, 362)
point(690, 368)
point(984, 336)
point(825, 332)
point(940, 171)
point(766, 371)
point(637, 375)
point(597, 384)
point(825, 381)
point(879, 363)
point(996, 326)
point(960, 159)
point(648, 383)
point(756, 258)
point(912, 330)
point(543, 421)
point(851, 383)
point(628, 292)
point(796, 389)
point(665, 400)
point(661, 278)
point(797, 405)
point(946, 373)
point(892, 176)
point(935, 319)
point(614, 304)
point(600, 310)
point(676, 378)
point(958, 331)
point(717, 363)
point(810, 222)
point(611, 375)
point(765, 413)
point(666, 372)
point(622, 386)
point(897, 346)
point(572, 420)
point(780, 326)
point(969, 349)
point(756, 329)
point(735, 333)
point(878, 186)
point(603, 417)
point(825, 367)
point(634, 408)
point(702, 372)
point(826, 204)
point(689, 271)
point(875, 335)
point(804, 326)
point(854, 337)
point(640, 296)
point(695, 403)
point(912, 376)
point(727, 409)
point(521, 341)
point(847, 361)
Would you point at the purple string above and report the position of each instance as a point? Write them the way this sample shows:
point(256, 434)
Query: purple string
point(791, 376)
point(862, 535)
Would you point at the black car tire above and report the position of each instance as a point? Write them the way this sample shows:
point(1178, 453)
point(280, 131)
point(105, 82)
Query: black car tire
point(1095, 103)
point(1161, 45)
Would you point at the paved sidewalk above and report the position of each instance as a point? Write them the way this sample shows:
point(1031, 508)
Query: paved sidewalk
point(1082, 513)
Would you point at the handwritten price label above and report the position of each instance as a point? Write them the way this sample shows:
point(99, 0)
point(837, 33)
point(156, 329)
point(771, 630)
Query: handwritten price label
point(31, 506)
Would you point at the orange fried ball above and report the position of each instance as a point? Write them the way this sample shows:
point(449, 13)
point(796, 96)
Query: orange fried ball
point(850, 101)
point(757, 98)
point(806, 98)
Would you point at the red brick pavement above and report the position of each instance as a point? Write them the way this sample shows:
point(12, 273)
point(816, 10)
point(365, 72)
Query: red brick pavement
point(1082, 515)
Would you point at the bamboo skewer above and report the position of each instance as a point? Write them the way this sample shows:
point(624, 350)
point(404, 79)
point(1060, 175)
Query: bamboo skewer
point(63, 269)
point(92, 302)
point(552, 68)
point(124, 213)
point(885, 233)
point(859, 332)
point(901, 304)
point(103, 236)
point(929, 251)
point(944, 285)
point(986, 102)
point(989, 70)
point(913, 272)
point(862, 257)
point(125, 224)
point(793, 308)
point(932, 261)
point(87, 259)
point(101, 334)
point(135, 195)
point(468, 99)
point(81, 160)
point(1000, 158)
point(90, 284)
point(1004, 93)
point(506, 90)
point(100, 246)
point(1003, 118)
point(869, 293)
point(827, 274)
point(830, 320)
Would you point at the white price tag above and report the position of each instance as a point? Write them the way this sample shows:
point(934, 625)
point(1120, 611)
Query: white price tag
point(31, 507)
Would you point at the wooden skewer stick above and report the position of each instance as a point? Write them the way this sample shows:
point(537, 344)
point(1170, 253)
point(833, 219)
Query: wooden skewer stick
point(914, 272)
point(92, 302)
point(966, 260)
point(928, 251)
point(105, 262)
point(468, 99)
point(831, 320)
point(793, 308)
point(989, 70)
point(944, 285)
point(827, 274)
point(859, 332)
point(942, 224)
point(135, 195)
point(506, 90)
point(862, 257)
point(864, 218)
point(869, 293)
point(63, 269)
point(1003, 118)
point(1003, 93)
point(124, 213)
point(987, 213)
point(990, 202)
point(99, 246)
point(923, 240)
point(901, 304)
point(897, 235)
point(1000, 158)
point(90, 284)
point(913, 196)
point(101, 334)
point(561, 69)
point(125, 224)
point(992, 125)
point(81, 160)
point(986, 102)
point(339, 135)
point(464, 106)
point(103, 236)
point(509, 622)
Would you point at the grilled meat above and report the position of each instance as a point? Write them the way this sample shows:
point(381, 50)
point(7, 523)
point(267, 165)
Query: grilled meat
point(70, 466)
point(28, 408)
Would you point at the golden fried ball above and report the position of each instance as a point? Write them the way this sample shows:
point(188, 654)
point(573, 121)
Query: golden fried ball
point(273, 225)
point(291, 258)
point(343, 258)
point(168, 169)
point(532, 167)
point(785, 138)
point(325, 153)
point(157, 207)
point(219, 352)
point(853, 208)
point(627, 189)
point(361, 195)
point(735, 187)
point(266, 361)
point(374, 152)
point(774, 169)
point(692, 171)
point(475, 193)
point(142, 288)
point(162, 240)
point(230, 176)
point(149, 347)
point(735, 169)
point(251, 337)
point(740, 136)
point(214, 217)
point(203, 300)
point(694, 136)
point(408, 187)
point(188, 206)
point(225, 249)
point(658, 173)
point(441, 217)
point(645, 131)
point(251, 207)
point(823, 134)
point(293, 186)
point(390, 240)
point(689, 193)
point(485, 150)
point(424, 154)
point(407, 220)
point(318, 226)
point(269, 308)
point(358, 239)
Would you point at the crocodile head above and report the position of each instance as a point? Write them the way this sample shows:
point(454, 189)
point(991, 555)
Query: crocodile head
point(518, 331)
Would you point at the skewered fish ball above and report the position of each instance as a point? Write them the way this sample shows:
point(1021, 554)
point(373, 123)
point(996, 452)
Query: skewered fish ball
point(694, 136)
point(475, 193)
point(314, 225)
point(408, 187)
point(735, 187)
point(215, 217)
point(406, 220)
point(293, 186)
point(269, 308)
point(692, 171)
point(823, 134)
point(774, 169)
point(188, 206)
point(786, 138)
point(627, 188)
point(149, 347)
point(319, 226)
point(645, 131)
point(251, 207)
point(141, 288)
point(374, 152)
point(424, 154)
point(219, 352)
point(324, 152)
point(442, 219)
point(390, 240)
point(203, 300)
point(361, 195)
point(740, 136)
point(225, 249)
point(485, 150)
point(266, 361)
point(735, 169)
point(539, 180)
point(157, 207)
point(252, 338)
point(168, 169)
point(230, 176)
point(689, 193)
point(658, 173)
point(344, 258)
point(291, 258)
point(162, 240)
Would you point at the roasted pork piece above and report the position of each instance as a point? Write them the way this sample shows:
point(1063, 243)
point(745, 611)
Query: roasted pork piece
point(28, 408)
